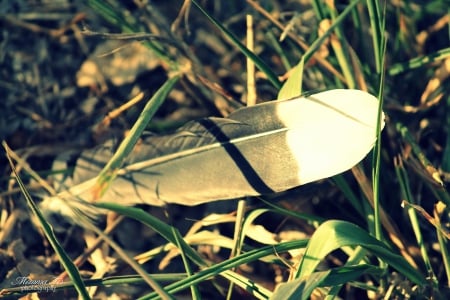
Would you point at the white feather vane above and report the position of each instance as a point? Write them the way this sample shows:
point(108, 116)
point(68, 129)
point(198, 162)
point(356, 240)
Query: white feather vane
point(257, 150)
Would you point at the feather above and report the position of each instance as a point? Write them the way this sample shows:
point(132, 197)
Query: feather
point(267, 148)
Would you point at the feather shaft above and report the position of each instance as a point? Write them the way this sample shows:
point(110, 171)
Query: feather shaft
point(262, 149)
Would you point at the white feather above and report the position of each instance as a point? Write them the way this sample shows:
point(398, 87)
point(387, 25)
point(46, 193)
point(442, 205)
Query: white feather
point(270, 147)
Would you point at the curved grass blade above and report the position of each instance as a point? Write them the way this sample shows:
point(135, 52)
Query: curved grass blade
point(302, 288)
point(334, 234)
point(48, 231)
point(168, 232)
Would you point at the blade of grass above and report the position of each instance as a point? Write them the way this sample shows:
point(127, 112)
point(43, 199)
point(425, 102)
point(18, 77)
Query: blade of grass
point(166, 231)
point(258, 62)
point(343, 185)
point(256, 290)
point(272, 40)
point(48, 231)
point(356, 259)
point(317, 43)
point(130, 261)
point(111, 14)
point(389, 225)
point(446, 155)
point(334, 234)
point(108, 173)
point(339, 46)
point(443, 242)
point(194, 290)
point(238, 237)
point(318, 8)
point(302, 288)
point(293, 214)
point(376, 24)
point(376, 162)
point(402, 177)
point(419, 62)
point(293, 85)
point(218, 268)
point(431, 172)
point(297, 40)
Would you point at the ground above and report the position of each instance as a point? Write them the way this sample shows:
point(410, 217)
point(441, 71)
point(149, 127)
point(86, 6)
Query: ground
point(66, 79)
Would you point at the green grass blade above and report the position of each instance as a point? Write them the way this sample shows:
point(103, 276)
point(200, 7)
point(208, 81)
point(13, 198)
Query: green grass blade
point(256, 290)
point(293, 85)
point(376, 162)
point(318, 8)
point(341, 50)
point(355, 260)
point(194, 290)
point(132, 263)
point(282, 53)
point(403, 180)
point(446, 154)
point(170, 233)
point(293, 214)
point(218, 268)
point(114, 16)
point(429, 171)
point(376, 22)
point(345, 188)
point(65, 260)
point(260, 64)
point(317, 43)
point(333, 235)
point(238, 238)
point(418, 62)
point(443, 244)
point(108, 173)
point(302, 288)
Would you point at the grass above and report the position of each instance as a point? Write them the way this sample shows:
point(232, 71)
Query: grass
point(384, 233)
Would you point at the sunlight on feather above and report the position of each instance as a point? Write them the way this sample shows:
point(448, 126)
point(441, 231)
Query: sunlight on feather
point(330, 122)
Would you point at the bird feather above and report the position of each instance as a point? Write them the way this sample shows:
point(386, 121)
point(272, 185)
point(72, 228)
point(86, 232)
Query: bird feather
point(262, 149)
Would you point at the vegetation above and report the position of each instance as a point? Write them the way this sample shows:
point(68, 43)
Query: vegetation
point(379, 231)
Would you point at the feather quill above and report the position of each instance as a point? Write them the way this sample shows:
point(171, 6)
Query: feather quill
point(257, 150)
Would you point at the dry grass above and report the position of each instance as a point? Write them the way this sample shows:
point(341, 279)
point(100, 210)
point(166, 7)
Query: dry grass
point(64, 90)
